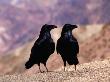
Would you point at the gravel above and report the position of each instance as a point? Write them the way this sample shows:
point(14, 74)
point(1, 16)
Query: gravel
point(97, 71)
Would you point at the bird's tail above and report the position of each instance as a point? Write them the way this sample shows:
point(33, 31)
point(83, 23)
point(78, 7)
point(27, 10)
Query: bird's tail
point(73, 60)
point(29, 64)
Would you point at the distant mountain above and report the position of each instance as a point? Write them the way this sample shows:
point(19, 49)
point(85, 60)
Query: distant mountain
point(21, 20)
point(20, 24)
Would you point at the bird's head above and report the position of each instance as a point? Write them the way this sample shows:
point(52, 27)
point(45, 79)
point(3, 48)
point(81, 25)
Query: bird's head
point(68, 27)
point(47, 27)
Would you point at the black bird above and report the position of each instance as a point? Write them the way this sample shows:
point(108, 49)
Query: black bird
point(67, 46)
point(42, 48)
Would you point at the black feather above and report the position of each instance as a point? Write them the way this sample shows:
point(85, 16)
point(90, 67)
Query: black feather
point(67, 45)
point(42, 48)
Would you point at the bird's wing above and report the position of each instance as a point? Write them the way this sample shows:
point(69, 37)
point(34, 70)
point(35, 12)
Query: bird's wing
point(40, 40)
point(38, 43)
point(52, 47)
point(74, 46)
point(58, 46)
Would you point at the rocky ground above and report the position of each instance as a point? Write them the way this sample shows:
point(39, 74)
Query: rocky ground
point(97, 71)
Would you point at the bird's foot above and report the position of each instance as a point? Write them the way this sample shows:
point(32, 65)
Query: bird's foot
point(43, 71)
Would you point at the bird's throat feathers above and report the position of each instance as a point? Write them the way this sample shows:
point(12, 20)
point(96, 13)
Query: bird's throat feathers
point(46, 34)
point(67, 34)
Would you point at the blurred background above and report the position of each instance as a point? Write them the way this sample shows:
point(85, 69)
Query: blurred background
point(21, 21)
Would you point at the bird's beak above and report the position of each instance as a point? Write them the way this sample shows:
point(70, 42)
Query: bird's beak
point(74, 26)
point(55, 26)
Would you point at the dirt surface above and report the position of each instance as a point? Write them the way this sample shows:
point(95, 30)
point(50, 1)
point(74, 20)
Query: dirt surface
point(97, 71)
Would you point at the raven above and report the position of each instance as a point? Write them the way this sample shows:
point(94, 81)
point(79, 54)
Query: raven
point(42, 48)
point(67, 46)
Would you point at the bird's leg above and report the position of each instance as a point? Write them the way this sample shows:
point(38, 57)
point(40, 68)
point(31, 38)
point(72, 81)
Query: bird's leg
point(39, 68)
point(64, 65)
point(75, 67)
point(46, 67)
point(64, 68)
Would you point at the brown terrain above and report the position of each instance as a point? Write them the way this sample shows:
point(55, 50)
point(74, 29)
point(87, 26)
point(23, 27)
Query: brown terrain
point(97, 71)
point(94, 44)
